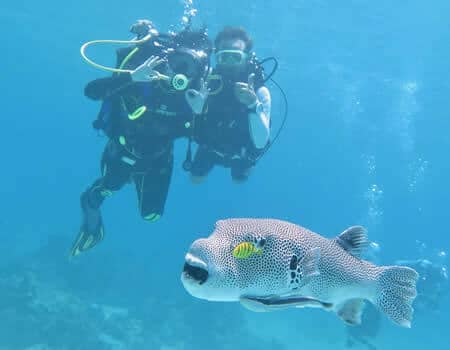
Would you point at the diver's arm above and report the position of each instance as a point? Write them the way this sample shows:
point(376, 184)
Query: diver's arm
point(100, 89)
point(259, 118)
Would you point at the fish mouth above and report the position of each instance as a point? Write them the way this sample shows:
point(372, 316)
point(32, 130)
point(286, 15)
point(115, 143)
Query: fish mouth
point(195, 269)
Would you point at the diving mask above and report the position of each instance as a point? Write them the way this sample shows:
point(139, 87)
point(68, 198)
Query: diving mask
point(231, 57)
point(183, 67)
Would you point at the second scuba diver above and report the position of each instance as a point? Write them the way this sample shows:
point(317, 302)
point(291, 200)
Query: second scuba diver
point(234, 130)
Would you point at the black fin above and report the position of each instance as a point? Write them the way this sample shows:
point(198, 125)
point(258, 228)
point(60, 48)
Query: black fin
point(272, 303)
point(309, 266)
point(354, 240)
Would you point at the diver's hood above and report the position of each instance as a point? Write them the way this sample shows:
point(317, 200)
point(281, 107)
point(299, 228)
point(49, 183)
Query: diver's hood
point(191, 63)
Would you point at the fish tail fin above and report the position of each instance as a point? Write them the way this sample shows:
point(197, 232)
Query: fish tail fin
point(396, 290)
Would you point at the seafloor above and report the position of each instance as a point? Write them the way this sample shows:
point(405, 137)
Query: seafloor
point(49, 303)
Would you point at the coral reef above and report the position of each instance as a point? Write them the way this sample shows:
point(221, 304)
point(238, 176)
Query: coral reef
point(49, 303)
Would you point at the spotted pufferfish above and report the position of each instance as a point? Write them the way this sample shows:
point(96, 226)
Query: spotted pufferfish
point(296, 268)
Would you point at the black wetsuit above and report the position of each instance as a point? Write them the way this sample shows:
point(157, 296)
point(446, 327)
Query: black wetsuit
point(223, 133)
point(139, 149)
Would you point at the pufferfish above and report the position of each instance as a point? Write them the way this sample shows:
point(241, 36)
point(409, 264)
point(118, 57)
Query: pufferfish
point(298, 268)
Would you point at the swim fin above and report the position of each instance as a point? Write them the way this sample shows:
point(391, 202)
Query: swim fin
point(91, 231)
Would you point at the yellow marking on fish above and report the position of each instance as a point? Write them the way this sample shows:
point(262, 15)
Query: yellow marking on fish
point(245, 250)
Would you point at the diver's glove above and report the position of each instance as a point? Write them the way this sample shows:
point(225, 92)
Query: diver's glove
point(142, 27)
point(196, 99)
point(146, 72)
point(245, 92)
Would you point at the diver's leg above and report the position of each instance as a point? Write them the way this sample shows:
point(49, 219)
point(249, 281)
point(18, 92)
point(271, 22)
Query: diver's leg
point(240, 170)
point(152, 186)
point(203, 163)
point(115, 173)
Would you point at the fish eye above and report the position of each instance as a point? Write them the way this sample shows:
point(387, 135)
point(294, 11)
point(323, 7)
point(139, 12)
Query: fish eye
point(262, 242)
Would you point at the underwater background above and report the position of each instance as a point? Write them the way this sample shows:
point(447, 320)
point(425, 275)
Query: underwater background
point(366, 142)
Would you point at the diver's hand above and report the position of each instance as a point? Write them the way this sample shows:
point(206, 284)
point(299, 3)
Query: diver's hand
point(245, 92)
point(146, 72)
point(196, 99)
point(141, 28)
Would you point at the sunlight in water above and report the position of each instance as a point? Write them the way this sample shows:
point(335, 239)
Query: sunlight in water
point(417, 171)
point(373, 196)
point(404, 114)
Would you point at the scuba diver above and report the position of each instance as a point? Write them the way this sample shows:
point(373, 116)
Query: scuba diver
point(234, 129)
point(432, 286)
point(368, 329)
point(145, 107)
point(432, 289)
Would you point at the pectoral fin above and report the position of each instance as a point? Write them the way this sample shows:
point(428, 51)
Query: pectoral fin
point(351, 311)
point(272, 303)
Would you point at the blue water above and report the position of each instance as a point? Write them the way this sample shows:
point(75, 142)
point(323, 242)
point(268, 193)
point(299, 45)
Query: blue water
point(366, 142)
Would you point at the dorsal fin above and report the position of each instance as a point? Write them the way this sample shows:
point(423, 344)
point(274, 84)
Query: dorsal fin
point(354, 240)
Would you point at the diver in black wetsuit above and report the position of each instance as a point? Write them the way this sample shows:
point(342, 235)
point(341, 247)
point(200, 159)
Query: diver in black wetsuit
point(234, 129)
point(143, 112)
point(432, 289)
point(364, 333)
